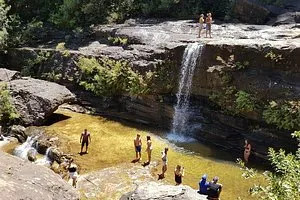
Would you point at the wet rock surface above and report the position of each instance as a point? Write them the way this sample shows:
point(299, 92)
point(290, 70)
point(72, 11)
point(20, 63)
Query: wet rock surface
point(21, 179)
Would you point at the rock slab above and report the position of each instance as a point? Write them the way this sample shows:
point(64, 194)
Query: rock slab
point(36, 99)
point(20, 179)
point(157, 191)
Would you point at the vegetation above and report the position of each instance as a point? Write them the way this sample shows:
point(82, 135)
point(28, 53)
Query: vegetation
point(273, 2)
point(285, 115)
point(232, 63)
point(244, 101)
point(118, 41)
point(7, 110)
point(108, 77)
point(4, 23)
point(33, 66)
point(283, 183)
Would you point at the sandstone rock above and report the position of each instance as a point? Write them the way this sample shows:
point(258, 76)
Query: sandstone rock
point(8, 75)
point(31, 155)
point(249, 12)
point(286, 18)
point(36, 99)
point(21, 179)
point(18, 132)
point(160, 191)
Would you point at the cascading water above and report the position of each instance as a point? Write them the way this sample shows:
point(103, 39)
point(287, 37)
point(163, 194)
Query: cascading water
point(45, 160)
point(22, 150)
point(188, 65)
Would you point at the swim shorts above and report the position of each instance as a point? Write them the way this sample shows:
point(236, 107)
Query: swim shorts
point(138, 148)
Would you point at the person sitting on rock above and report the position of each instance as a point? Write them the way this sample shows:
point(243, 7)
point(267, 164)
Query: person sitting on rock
point(179, 173)
point(214, 189)
point(85, 139)
point(203, 185)
point(72, 168)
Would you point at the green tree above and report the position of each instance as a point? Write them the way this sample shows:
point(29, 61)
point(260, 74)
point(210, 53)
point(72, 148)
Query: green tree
point(284, 182)
point(7, 110)
point(4, 23)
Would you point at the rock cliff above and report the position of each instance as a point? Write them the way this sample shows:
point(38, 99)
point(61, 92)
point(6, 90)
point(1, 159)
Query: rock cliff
point(21, 179)
point(261, 61)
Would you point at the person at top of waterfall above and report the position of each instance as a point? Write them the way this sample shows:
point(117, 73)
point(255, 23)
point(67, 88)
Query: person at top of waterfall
point(203, 185)
point(149, 149)
point(214, 189)
point(85, 139)
point(138, 147)
point(201, 26)
point(179, 173)
point(72, 169)
point(164, 159)
point(208, 22)
point(247, 150)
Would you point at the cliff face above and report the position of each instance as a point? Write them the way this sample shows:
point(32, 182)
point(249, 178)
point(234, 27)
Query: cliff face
point(245, 75)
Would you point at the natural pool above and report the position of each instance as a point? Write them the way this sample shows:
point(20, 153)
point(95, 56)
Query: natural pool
point(112, 144)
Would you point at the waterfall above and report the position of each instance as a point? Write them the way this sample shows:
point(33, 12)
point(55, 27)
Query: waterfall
point(188, 65)
point(22, 150)
point(45, 160)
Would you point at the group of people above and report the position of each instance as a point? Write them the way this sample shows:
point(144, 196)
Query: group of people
point(212, 189)
point(207, 21)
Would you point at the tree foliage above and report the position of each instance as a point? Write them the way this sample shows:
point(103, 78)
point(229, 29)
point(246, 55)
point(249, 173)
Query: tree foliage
point(108, 77)
point(4, 23)
point(283, 183)
point(7, 110)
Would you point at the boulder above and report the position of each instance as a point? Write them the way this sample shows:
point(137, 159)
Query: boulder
point(8, 75)
point(249, 12)
point(18, 132)
point(154, 190)
point(31, 155)
point(21, 179)
point(35, 99)
point(286, 18)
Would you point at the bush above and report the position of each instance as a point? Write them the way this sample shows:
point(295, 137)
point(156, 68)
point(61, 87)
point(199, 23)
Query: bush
point(109, 77)
point(244, 101)
point(4, 23)
point(283, 183)
point(7, 110)
point(285, 115)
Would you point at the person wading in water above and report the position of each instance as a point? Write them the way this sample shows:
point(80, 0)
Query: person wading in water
point(247, 151)
point(138, 147)
point(85, 139)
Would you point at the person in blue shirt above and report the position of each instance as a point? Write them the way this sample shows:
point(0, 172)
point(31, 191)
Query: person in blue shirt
point(203, 185)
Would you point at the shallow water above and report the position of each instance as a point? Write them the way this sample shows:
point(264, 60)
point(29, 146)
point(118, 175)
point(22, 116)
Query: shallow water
point(112, 144)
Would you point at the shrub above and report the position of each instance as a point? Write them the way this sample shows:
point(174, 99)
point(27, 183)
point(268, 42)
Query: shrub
point(285, 115)
point(109, 77)
point(244, 101)
point(4, 23)
point(283, 183)
point(7, 110)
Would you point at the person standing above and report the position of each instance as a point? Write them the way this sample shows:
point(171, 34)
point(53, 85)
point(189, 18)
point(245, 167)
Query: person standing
point(149, 149)
point(214, 189)
point(1, 137)
point(72, 169)
point(164, 159)
point(138, 147)
point(208, 24)
point(179, 173)
point(201, 22)
point(247, 151)
point(85, 139)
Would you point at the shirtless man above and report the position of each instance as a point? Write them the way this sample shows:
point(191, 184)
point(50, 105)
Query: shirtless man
point(164, 159)
point(208, 24)
point(138, 147)
point(85, 139)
